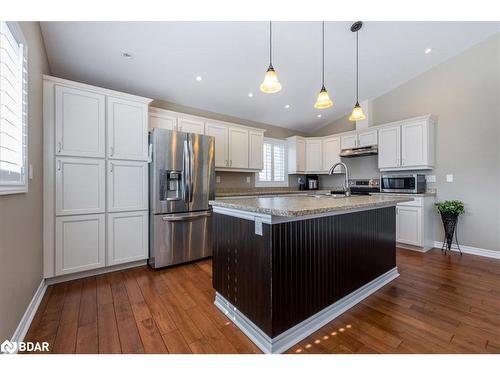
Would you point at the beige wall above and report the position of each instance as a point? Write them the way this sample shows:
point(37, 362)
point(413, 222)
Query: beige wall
point(21, 214)
point(463, 93)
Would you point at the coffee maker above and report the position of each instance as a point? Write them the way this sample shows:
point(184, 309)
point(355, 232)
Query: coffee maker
point(312, 182)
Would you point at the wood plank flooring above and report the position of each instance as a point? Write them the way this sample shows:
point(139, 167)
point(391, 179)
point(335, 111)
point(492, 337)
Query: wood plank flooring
point(439, 304)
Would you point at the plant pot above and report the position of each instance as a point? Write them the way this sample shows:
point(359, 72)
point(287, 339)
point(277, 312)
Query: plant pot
point(449, 224)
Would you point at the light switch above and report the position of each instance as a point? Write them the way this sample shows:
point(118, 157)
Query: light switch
point(430, 178)
point(30, 172)
point(248, 180)
point(217, 179)
point(449, 178)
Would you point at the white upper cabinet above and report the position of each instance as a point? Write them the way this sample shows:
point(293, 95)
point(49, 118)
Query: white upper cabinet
point(190, 125)
point(80, 122)
point(127, 185)
point(221, 134)
point(407, 145)
point(255, 146)
point(127, 237)
point(331, 151)
point(162, 119)
point(238, 148)
point(349, 141)
point(296, 155)
point(367, 138)
point(127, 129)
point(389, 147)
point(79, 243)
point(314, 154)
point(80, 186)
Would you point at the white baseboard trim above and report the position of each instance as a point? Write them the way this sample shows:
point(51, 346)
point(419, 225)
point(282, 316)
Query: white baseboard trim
point(287, 339)
point(29, 314)
point(472, 250)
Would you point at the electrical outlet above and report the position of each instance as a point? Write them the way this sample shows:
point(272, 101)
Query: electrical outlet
point(217, 179)
point(430, 178)
point(248, 180)
point(449, 178)
point(30, 172)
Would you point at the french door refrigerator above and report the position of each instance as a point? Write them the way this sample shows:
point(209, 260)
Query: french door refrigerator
point(182, 181)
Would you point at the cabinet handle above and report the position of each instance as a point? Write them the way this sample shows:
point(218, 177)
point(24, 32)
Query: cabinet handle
point(111, 167)
point(58, 165)
point(111, 150)
point(58, 147)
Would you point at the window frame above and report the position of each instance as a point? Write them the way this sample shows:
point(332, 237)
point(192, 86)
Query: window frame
point(20, 187)
point(259, 183)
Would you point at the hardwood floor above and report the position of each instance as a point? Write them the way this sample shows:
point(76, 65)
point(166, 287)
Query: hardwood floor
point(439, 304)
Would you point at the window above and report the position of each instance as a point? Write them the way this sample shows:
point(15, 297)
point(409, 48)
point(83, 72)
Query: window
point(274, 172)
point(13, 109)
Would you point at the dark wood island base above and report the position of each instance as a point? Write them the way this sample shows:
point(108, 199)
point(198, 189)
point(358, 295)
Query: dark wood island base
point(280, 279)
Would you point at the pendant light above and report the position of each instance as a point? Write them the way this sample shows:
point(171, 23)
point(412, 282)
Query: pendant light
point(357, 112)
point(324, 100)
point(270, 85)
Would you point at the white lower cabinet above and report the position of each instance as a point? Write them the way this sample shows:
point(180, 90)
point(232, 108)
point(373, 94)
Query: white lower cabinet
point(408, 225)
point(80, 186)
point(80, 243)
point(127, 237)
point(127, 185)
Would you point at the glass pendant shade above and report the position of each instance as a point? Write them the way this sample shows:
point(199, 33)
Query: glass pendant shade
point(270, 85)
point(324, 100)
point(357, 113)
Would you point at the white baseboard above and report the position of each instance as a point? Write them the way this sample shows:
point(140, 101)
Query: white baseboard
point(29, 314)
point(472, 250)
point(287, 339)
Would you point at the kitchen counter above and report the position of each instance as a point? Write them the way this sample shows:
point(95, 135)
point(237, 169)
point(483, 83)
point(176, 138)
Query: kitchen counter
point(306, 205)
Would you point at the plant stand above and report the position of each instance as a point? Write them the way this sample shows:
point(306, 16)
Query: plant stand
point(450, 224)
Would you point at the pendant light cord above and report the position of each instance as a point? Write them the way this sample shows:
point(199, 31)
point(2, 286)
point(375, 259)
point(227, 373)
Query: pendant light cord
point(323, 52)
point(357, 69)
point(270, 44)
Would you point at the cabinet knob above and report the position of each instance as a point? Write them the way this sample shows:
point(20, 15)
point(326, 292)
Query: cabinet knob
point(58, 165)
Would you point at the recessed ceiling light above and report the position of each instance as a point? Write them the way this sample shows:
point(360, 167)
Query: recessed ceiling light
point(428, 50)
point(127, 55)
point(318, 115)
point(250, 95)
point(199, 78)
point(287, 106)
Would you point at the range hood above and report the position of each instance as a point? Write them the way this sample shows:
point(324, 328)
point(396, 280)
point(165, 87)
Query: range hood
point(359, 151)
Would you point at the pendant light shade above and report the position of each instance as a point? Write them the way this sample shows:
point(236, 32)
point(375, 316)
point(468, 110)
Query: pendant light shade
point(323, 100)
point(357, 112)
point(270, 85)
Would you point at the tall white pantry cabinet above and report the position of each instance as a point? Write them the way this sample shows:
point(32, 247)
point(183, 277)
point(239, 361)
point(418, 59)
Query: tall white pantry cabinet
point(95, 177)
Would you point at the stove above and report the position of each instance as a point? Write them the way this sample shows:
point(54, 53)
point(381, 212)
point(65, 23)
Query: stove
point(364, 186)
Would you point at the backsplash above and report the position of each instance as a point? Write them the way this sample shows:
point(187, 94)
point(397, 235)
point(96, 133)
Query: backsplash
point(245, 180)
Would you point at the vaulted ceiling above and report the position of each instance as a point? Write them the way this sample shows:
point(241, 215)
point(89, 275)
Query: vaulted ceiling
point(232, 57)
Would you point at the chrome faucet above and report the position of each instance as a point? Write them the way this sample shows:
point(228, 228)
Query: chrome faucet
point(347, 189)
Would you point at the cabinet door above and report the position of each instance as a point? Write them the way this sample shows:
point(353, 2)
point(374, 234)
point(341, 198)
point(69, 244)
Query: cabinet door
point(367, 138)
point(314, 155)
point(331, 151)
point(80, 186)
point(414, 144)
point(127, 129)
point(238, 148)
point(349, 141)
point(389, 147)
point(161, 121)
point(127, 237)
point(80, 243)
point(79, 122)
point(127, 185)
point(301, 155)
point(408, 225)
point(220, 133)
point(255, 153)
point(191, 125)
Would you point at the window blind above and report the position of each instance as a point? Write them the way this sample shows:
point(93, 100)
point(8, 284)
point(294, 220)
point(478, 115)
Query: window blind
point(13, 110)
point(274, 172)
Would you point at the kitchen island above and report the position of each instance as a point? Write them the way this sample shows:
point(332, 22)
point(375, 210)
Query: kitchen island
point(285, 266)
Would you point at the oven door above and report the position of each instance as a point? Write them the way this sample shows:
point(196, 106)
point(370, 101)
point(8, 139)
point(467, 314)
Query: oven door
point(398, 184)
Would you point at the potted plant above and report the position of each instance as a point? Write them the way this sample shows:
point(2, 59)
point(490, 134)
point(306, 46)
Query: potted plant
point(450, 210)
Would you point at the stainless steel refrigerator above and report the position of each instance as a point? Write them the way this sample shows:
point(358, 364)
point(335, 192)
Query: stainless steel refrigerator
point(181, 182)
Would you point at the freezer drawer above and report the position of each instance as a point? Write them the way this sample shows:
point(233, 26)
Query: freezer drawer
point(179, 238)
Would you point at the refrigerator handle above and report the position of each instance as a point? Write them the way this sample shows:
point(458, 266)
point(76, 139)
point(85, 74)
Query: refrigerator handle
point(186, 173)
point(191, 167)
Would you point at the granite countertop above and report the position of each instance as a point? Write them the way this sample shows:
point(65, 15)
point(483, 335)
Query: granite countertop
point(293, 206)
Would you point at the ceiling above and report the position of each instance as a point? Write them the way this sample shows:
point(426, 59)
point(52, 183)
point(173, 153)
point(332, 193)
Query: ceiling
point(232, 57)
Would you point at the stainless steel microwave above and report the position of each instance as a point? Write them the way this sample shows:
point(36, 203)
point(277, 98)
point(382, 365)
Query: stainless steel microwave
point(409, 183)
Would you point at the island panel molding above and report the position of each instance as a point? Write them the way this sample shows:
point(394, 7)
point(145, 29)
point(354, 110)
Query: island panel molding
point(296, 269)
